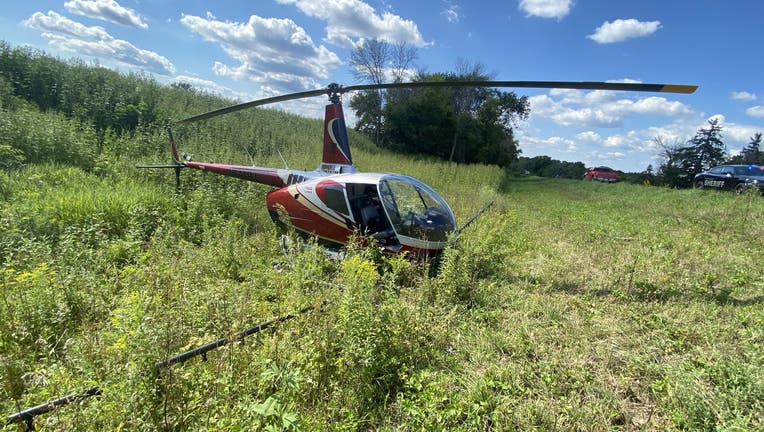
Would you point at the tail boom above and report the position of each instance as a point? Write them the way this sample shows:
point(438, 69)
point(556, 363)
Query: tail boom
point(269, 176)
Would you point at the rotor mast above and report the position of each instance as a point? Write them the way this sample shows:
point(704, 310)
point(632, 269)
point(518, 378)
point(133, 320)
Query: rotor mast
point(334, 91)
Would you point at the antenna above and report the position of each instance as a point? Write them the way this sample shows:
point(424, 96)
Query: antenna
point(249, 155)
point(282, 158)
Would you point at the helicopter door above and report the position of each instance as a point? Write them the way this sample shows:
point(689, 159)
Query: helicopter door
point(368, 212)
point(334, 198)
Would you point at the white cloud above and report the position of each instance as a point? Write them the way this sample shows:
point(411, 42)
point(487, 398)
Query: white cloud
point(733, 134)
point(55, 23)
point(589, 136)
point(119, 50)
point(106, 10)
point(629, 151)
point(621, 30)
point(655, 105)
point(269, 50)
point(756, 111)
point(608, 156)
point(644, 148)
point(577, 115)
point(740, 134)
point(614, 141)
point(71, 36)
point(452, 13)
point(567, 95)
point(673, 132)
point(545, 144)
point(720, 118)
point(561, 110)
point(546, 8)
point(600, 108)
point(543, 105)
point(349, 21)
point(587, 117)
point(743, 96)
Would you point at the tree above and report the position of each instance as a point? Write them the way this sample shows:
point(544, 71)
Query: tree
point(372, 62)
point(402, 59)
point(468, 127)
point(752, 154)
point(545, 166)
point(466, 100)
point(707, 148)
point(497, 143)
point(674, 162)
point(682, 162)
point(420, 123)
point(369, 59)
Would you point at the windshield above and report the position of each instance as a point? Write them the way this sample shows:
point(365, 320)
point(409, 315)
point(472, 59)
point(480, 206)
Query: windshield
point(415, 210)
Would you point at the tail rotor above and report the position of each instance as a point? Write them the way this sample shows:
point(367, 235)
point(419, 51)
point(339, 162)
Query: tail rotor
point(177, 165)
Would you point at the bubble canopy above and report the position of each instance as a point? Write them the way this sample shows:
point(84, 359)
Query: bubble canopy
point(415, 210)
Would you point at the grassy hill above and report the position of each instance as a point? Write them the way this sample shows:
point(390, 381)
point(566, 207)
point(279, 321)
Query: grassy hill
point(570, 305)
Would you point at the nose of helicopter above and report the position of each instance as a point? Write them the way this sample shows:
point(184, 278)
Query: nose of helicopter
point(420, 217)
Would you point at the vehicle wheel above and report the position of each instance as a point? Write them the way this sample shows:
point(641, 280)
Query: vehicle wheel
point(699, 184)
point(740, 188)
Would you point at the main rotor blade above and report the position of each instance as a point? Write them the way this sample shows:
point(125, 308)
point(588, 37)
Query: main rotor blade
point(334, 89)
point(579, 85)
point(259, 102)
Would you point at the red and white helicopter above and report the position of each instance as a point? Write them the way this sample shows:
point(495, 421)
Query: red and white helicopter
point(336, 201)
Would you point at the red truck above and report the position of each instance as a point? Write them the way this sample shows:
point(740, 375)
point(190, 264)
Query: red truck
point(601, 173)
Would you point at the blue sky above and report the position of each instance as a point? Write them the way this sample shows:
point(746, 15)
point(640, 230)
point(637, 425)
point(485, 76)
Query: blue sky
point(252, 49)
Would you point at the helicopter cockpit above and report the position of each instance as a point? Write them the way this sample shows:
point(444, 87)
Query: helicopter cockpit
point(415, 210)
point(401, 210)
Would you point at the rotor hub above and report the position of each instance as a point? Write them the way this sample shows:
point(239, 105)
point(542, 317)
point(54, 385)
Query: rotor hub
point(334, 91)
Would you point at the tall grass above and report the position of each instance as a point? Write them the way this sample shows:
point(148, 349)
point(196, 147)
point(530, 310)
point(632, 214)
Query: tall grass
point(569, 305)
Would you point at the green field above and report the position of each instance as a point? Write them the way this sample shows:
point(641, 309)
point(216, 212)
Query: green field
point(569, 305)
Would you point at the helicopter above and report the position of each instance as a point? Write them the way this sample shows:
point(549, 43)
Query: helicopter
point(336, 202)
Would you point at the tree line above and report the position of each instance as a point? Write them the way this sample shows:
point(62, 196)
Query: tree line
point(680, 161)
point(545, 166)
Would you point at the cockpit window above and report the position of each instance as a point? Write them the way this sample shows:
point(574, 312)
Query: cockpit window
point(416, 212)
point(368, 213)
point(334, 197)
